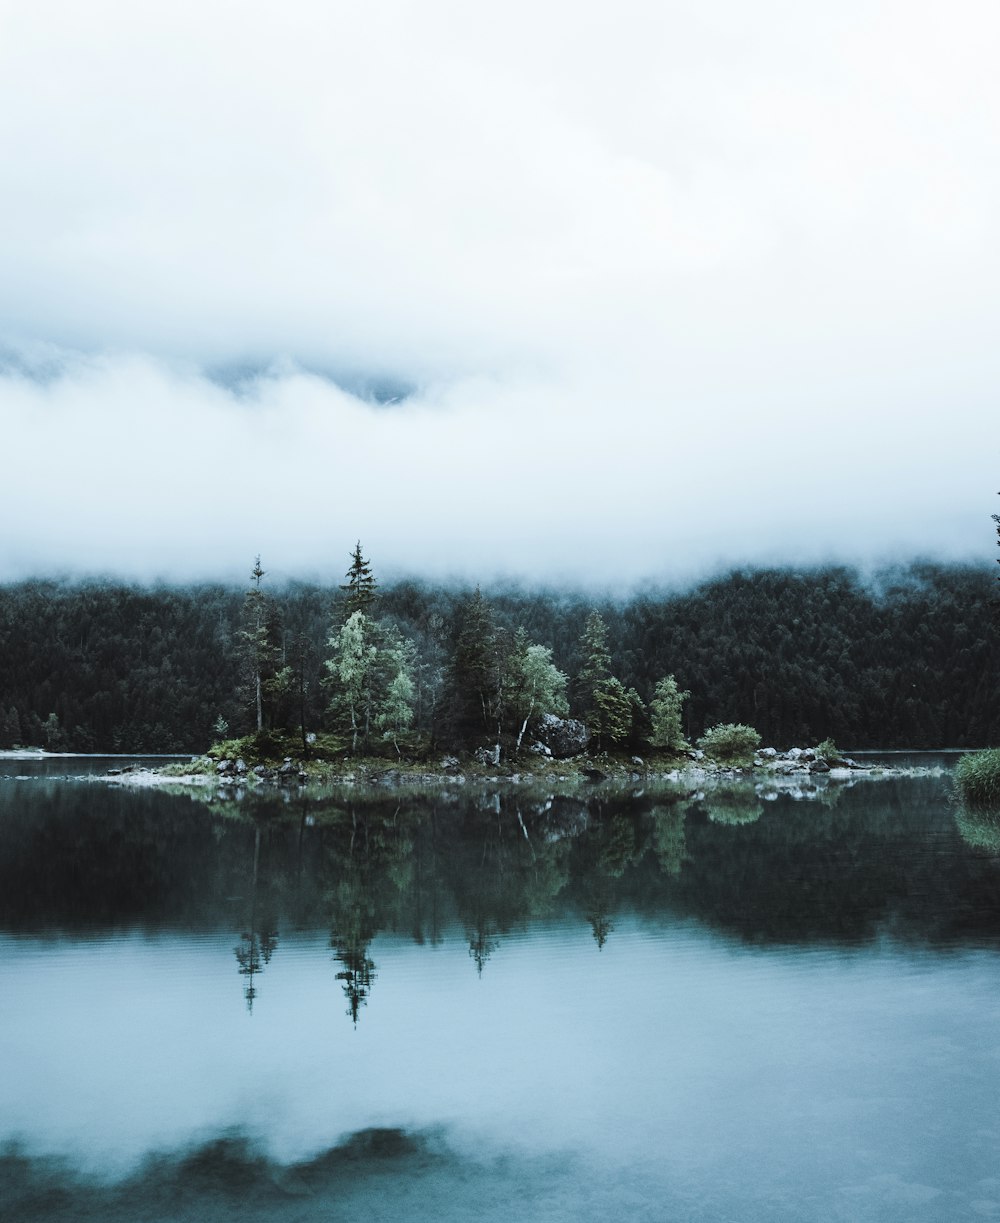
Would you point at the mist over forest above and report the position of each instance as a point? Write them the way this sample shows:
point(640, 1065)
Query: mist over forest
point(904, 657)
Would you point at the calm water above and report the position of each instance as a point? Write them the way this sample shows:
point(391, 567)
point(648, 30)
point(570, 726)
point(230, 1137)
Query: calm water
point(643, 1006)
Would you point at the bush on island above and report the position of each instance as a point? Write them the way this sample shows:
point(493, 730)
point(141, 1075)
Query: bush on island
point(730, 743)
point(977, 777)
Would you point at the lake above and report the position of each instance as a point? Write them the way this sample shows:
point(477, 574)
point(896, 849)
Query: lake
point(600, 1004)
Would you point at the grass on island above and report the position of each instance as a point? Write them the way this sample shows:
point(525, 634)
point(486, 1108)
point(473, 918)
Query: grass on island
point(329, 756)
point(977, 778)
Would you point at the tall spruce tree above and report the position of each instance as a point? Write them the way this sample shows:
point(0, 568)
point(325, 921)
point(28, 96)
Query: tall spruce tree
point(474, 673)
point(255, 637)
point(361, 587)
point(595, 665)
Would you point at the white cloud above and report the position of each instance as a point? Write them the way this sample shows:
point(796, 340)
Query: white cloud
point(677, 284)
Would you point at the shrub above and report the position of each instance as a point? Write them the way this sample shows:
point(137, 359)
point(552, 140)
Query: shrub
point(827, 750)
point(730, 742)
point(977, 777)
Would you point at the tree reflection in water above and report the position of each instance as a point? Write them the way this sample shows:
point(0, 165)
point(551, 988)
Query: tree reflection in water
point(256, 946)
point(765, 866)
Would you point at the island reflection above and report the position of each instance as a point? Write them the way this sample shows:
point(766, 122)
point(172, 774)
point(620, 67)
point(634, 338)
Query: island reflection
point(761, 867)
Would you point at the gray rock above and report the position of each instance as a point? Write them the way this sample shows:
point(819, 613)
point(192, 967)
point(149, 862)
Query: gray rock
point(241, 766)
point(224, 766)
point(449, 763)
point(564, 737)
point(818, 766)
point(638, 762)
point(768, 753)
point(540, 749)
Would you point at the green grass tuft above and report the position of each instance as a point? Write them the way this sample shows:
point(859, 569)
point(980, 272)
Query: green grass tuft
point(977, 778)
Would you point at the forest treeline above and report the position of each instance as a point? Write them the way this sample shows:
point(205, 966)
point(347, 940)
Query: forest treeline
point(905, 658)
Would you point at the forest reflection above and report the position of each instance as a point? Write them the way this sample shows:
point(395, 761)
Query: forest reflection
point(832, 864)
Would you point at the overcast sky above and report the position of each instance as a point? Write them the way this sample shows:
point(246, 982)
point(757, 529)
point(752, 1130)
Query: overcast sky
point(553, 290)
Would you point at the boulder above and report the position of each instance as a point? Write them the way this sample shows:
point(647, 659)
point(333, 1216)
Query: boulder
point(564, 737)
point(539, 749)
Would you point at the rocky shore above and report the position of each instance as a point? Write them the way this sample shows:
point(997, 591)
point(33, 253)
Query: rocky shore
point(770, 770)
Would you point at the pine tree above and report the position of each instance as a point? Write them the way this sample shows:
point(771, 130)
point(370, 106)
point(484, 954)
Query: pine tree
point(595, 665)
point(361, 586)
point(611, 716)
point(260, 645)
point(475, 678)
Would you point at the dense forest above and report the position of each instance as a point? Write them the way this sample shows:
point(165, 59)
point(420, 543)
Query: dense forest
point(907, 657)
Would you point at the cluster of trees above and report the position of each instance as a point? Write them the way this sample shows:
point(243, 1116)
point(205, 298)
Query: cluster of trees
point(479, 681)
point(908, 657)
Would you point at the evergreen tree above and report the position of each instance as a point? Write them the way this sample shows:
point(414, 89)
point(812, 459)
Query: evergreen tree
point(260, 639)
point(595, 665)
point(665, 709)
point(474, 674)
point(361, 586)
point(253, 638)
point(612, 712)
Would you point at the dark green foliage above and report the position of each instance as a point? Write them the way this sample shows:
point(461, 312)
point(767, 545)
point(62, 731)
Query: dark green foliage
point(594, 671)
point(474, 694)
point(977, 777)
point(610, 714)
point(361, 587)
point(911, 659)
